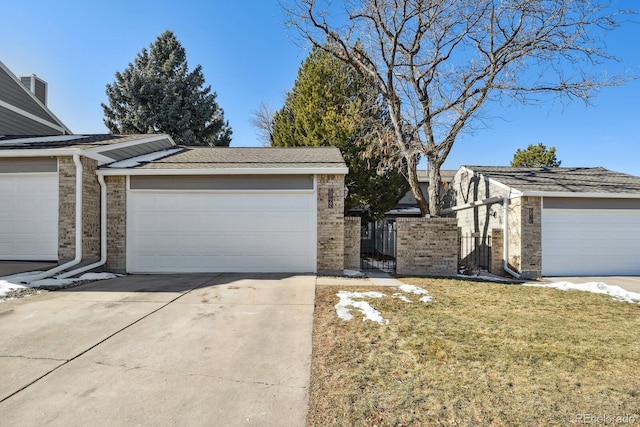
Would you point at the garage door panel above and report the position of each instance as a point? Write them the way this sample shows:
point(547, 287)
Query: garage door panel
point(29, 217)
point(219, 231)
point(590, 242)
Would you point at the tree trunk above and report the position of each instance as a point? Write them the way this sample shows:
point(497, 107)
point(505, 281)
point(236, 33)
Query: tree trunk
point(412, 171)
point(435, 203)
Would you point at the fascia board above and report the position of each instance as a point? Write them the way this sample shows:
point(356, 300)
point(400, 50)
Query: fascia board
point(95, 153)
point(222, 171)
point(43, 152)
point(576, 195)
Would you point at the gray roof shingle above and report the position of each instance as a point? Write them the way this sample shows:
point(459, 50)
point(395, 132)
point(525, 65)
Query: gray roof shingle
point(249, 157)
point(568, 180)
point(67, 141)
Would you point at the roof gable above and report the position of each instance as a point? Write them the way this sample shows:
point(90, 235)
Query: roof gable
point(21, 112)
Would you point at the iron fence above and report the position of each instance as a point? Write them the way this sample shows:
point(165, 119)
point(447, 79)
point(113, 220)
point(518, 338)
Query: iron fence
point(378, 246)
point(475, 251)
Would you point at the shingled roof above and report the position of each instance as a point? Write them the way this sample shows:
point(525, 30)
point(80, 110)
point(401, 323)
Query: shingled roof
point(249, 157)
point(561, 180)
point(204, 159)
point(66, 141)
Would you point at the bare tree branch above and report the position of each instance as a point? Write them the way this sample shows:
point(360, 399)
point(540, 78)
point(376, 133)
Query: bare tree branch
point(438, 63)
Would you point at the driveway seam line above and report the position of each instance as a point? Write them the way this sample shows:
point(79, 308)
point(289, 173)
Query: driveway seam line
point(100, 342)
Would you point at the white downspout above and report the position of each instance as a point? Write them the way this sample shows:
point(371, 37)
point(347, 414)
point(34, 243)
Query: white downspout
point(78, 258)
point(505, 239)
point(103, 234)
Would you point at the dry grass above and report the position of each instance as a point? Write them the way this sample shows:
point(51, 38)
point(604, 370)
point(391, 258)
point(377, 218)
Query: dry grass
point(481, 354)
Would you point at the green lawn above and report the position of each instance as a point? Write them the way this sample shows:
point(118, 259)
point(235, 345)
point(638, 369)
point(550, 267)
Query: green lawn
point(479, 354)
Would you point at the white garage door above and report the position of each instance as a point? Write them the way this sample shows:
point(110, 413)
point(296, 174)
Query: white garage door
point(590, 242)
point(29, 217)
point(178, 231)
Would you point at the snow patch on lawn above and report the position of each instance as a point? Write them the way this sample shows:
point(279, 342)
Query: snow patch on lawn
point(22, 280)
point(595, 287)
point(411, 289)
point(348, 301)
point(353, 300)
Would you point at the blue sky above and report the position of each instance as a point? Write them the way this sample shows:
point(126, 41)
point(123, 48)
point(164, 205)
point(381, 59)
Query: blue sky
point(248, 57)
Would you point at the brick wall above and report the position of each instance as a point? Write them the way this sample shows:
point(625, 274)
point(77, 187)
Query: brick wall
point(497, 250)
point(531, 237)
point(330, 223)
point(427, 246)
point(352, 230)
point(67, 209)
point(116, 223)
point(90, 210)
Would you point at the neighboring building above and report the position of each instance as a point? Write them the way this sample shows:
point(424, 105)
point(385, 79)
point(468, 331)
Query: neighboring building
point(23, 107)
point(408, 206)
point(561, 221)
point(168, 208)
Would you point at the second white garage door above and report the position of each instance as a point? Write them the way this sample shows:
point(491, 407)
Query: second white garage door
point(29, 217)
point(178, 231)
point(596, 242)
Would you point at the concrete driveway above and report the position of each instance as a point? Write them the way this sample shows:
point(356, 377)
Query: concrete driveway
point(160, 350)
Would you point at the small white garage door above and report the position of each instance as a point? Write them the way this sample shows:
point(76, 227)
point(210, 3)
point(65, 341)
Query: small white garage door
point(29, 217)
point(590, 242)
point(193, 231)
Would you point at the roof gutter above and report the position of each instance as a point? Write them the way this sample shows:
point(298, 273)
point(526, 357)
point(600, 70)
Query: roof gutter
point(581, 195)
point(78, 257)
point(225, 171)
point(103, 235)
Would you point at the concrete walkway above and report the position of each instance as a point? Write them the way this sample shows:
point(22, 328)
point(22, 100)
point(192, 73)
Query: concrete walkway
point(160, 350)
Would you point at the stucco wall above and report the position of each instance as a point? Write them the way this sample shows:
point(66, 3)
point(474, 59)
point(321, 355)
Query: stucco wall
point(427, 246)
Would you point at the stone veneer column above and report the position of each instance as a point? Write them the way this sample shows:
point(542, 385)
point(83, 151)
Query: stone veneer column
point(330, 220)
point(352, 230)
point(116, 223)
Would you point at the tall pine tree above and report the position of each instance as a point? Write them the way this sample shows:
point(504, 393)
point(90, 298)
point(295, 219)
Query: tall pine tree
point(332, 105)
point(157, 93)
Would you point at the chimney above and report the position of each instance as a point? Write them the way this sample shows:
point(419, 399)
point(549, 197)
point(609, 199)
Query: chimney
point(37, 86)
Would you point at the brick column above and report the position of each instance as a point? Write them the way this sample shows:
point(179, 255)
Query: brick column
point(352, 230)
point(497, 251)
point(116, 223)
point(330, 249)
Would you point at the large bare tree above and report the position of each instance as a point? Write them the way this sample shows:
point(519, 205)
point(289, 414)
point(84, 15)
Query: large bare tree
point(437, 63)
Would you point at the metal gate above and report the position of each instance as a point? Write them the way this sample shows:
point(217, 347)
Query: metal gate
point(378, 246)
point(475, 251)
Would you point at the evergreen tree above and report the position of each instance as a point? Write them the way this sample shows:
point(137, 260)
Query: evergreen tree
point(157, 93)
point(332, 105)
point(536, 156)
